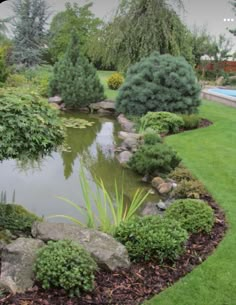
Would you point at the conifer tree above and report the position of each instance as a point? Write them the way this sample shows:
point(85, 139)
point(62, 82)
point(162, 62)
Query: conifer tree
point(75, 79)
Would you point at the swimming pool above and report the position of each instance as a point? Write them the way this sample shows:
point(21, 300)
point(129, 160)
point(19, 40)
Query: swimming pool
point(223, 91)
point(224, 96)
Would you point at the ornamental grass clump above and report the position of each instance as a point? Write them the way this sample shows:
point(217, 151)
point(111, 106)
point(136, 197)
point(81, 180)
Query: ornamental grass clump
point(194, 215)
point(152, 237)
point(65, 264)
point(159, 83)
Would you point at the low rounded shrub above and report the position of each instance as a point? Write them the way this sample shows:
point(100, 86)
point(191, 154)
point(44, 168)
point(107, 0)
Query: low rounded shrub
point(115, 81)
point(161, 122)
point(152, 237)
point(16, 80)
point(181, 173)
point(193, 215)
point(65, 264)
point(16, 218)
point(159, 83)
point(151, 138)
point(191, 121)
point(190, 189)
point(29, 126)
point(154, 159)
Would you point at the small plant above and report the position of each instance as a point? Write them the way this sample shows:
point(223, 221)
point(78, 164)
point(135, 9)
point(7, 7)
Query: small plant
point(155, 159)
point(161, 122)
point(152, 237)
point(110, 211)
point(16, 218)
point(65, 264)
point(16, 80)
point(190, 189)
point(152, 138)
point(115, 81)
point(181, 173)
point(191, 121)
point(193, 215)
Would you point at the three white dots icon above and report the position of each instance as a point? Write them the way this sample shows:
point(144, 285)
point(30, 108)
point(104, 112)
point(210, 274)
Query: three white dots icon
point(228, 19)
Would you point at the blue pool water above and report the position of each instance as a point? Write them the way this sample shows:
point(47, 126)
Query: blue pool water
point(224, 92)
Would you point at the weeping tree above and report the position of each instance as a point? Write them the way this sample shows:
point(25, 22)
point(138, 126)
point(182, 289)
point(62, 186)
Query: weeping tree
point(29, 23)
point(139, 28)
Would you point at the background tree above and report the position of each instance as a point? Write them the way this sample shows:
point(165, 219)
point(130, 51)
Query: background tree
point(138, 28)
point(79, 18)
point(233, 3)
point(29, 23)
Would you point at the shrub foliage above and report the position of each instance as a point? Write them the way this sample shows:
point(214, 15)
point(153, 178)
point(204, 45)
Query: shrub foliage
point(65, 264)
point(181, 173)
point(193, 215)
point(190, 189)
point(191, 121)
point(152, 237)
point(29, 127)
point(159, 83)
point(115, 81)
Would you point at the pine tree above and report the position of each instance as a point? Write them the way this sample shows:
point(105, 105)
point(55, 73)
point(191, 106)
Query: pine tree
point(75, 79)
point(29, 31)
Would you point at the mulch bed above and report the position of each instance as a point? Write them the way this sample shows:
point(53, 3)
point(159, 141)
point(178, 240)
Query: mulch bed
point(137, 284)
point(204, 123)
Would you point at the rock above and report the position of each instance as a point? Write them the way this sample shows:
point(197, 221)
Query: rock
point(123, 135)
point(145, 178)
point(219, 81)
point(124, 157)
point(17, 263)
point(55, 100)
point(161, 205)
point(150, 208)
point(84, 109)
point(126, 124)
point(104, 105)
point(164, 188)
point(104, 111)
point(130, 143)
point(157, 181)
point(104, 248)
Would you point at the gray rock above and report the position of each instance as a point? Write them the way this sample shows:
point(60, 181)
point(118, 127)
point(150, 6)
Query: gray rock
point(105, 105)
point(124, 157)
point(161, 205)
point(104, 248)
point(165, 188)
point(18, 259)
point(126, 124)
point(104, 111)
point(123, 135)
point(150, 208)
point(55, 99)
point(130, 143)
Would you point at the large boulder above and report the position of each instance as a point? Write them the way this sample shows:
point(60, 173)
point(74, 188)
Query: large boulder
point(165, 188)
point(55, 100)
point(156, 182)
point(106, 251)
point(17, 263)
point(124, 157)
point(102, 107)
point(126, 124)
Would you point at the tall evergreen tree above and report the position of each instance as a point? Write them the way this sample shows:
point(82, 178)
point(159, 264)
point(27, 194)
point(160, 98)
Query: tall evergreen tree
point(75, 79)
point(29, 22)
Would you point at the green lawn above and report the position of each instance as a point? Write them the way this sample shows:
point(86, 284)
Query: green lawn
point(210, 153)
point(104, 75)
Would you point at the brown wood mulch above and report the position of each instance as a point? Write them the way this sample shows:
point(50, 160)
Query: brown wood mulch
point(140, 282)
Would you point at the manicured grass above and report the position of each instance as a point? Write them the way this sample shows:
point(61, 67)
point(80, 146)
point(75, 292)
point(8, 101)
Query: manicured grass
point(210, 153)
point(104, 75)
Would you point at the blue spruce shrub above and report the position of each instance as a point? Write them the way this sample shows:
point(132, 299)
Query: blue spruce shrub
point(159, 83)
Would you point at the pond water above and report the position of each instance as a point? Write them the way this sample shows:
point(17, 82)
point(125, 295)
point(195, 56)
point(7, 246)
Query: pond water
point(38, 184)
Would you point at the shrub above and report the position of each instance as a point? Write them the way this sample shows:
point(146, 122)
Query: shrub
point(181, 173)
point(3, 65)
point(162, 122)
point(159, 83)
point(75, 79)
point(115, 81)
point(190, 189)
point(65, 264)
point(191, 121)
point(193, 215)
point(29, 126)
point(152, 237)
point(16, 80)
point(154, 159)
point(151, 138)
point(16, 218)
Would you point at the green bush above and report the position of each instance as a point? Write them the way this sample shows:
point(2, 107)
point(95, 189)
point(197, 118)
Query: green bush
point(16, 80)
point(75, 79)
point(161, 122)
point(191, 121)
point(193, 215)
point(190, 189)
point(3, 65)
point(159, 83)
point(16, 218)
point(181, 173)
point(152, 138)
point(154, 159)
point(29, 126)
point(115, 81)
point(152, 237)
point(65, 264)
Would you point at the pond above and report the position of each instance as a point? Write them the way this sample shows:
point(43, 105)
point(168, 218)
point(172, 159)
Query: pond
point(38, 184)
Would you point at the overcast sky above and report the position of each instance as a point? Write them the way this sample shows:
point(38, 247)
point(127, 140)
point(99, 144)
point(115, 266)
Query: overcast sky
point(200, 12)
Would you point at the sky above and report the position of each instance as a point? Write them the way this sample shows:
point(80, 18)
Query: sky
point(209, 13)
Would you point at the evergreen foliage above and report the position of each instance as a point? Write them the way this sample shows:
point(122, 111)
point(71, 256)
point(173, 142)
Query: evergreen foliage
point(75, 79)
point(159, 83)
point(3, 65)
point(29, 31)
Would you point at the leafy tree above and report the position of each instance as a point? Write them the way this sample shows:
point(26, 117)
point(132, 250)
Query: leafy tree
point(128, 38)
point(75, 79)
point(29, 31)
point(79, 18)
point(233, 3)
point(159, 83)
